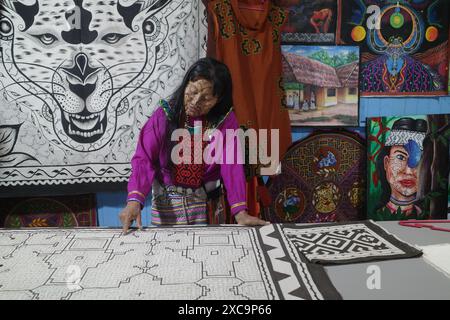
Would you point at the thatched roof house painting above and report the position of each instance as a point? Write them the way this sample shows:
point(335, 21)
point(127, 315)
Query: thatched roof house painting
point(312, 87)
point(348, 75)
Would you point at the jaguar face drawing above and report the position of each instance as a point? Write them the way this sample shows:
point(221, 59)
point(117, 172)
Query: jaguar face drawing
point(81, 60)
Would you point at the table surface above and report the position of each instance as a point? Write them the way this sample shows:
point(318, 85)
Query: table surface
point(400, 279)
point(413, 279)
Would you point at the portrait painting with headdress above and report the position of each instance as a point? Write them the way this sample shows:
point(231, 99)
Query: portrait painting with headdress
point(408, 167)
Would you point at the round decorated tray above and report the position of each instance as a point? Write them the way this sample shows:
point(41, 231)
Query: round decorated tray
point(322, 180)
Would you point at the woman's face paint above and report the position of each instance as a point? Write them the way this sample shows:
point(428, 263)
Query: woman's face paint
point(401, 177)
point(199, 98)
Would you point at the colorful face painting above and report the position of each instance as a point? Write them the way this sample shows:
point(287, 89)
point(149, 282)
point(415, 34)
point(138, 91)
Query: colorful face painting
point(404, 45)
point(321, 85)
point(79, 78)
point(310, 21)
point(408, 165)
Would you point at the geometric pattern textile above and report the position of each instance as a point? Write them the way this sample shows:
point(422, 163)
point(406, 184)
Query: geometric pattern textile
point(347, 243)
point(322, 180)
point(188, 173)
point(183, 263)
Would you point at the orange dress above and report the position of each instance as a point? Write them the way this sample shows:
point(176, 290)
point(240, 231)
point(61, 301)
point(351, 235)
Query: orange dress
point(248, 42)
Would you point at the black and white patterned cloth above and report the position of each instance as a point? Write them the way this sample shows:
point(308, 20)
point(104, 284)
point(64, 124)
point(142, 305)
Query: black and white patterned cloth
point(79, 79)
point(344, 243)
point(402, 137)
point(186, 263)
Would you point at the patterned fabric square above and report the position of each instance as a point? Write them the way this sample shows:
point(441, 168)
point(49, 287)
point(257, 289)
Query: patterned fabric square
point(347, 243)
point(190, 174)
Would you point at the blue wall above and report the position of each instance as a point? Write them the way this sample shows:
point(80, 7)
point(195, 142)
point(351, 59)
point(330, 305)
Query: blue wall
point(110, 204)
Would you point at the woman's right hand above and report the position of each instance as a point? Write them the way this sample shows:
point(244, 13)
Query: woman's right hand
point(130, 213)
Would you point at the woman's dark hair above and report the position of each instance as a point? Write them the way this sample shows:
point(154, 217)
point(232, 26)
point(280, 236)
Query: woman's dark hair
point(214, 71)
point(411, 124)
point(209, 69)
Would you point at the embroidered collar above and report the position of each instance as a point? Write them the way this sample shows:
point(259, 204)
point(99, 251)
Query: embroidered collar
point(167, 109)
point(401, 203)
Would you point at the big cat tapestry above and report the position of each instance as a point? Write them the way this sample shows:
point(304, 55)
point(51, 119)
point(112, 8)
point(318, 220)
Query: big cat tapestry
point(404, 45)
point(79, 79)
point(408, 167)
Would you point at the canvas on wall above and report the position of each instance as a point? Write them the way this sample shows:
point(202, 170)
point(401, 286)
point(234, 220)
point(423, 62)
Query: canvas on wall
point(79, 78)
point(45, 212)
point(310, 21)
point(322, 180)
point(408, 167)
point(448, 211)
point(321, 85)
point(403, 45)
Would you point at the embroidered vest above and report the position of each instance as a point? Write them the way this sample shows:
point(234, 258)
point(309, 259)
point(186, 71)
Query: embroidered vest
point(190, 175)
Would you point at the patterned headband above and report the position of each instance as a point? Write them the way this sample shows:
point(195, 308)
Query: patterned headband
point(402, 137)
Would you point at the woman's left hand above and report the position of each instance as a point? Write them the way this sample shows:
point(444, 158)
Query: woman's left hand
point(245, 219)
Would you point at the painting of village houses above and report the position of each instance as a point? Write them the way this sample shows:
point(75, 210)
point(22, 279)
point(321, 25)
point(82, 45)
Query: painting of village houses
point(321, 85)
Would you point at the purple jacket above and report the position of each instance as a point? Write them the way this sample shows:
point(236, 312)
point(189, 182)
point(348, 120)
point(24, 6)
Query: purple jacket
point(151, 160)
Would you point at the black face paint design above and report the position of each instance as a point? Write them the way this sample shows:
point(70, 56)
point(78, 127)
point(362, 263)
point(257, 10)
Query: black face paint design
point(83, 75)
point(79, 19)
point(129, 13)
point(83, 127)
point(28, 13)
